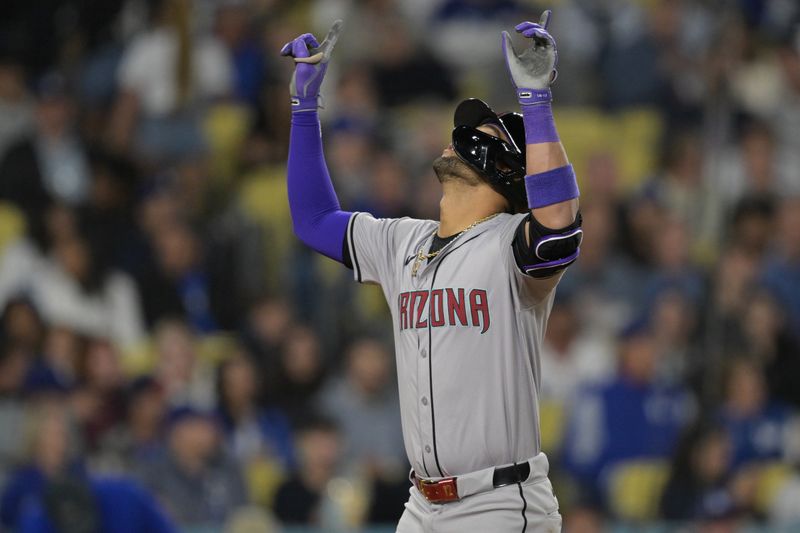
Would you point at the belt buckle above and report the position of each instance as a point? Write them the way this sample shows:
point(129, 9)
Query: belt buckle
point(440, 491)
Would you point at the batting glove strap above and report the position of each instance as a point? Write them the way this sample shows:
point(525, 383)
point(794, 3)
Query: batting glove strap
point(551, 187)
point(307, 104)
point(528, 97)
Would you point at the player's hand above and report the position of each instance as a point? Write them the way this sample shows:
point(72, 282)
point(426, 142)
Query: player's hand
point(533, 69)
point(311, 62)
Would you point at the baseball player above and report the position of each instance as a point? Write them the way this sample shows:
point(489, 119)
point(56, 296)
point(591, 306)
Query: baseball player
point(469, 294)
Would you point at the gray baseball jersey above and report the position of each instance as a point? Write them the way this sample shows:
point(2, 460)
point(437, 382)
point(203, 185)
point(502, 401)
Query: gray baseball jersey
point(467, 330)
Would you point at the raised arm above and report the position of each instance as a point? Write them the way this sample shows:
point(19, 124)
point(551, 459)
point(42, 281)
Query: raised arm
point(317, 218)
point(550, 240)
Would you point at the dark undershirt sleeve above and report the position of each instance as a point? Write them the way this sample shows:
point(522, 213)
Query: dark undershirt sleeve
point(346, 253)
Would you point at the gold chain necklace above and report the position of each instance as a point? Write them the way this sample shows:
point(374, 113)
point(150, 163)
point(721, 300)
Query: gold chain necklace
point(422, 256)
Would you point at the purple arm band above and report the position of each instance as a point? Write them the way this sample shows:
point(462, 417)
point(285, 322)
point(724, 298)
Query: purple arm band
point(540, 127)
point(317, 218)
point(551, 187)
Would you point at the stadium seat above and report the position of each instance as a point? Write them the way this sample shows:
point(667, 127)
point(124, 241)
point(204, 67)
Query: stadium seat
point(262, 196)
point(226, 127)
point(263, 476)
point(551, 423)
point(771, 478)
point(138, 359)
point(635, 487)
point(215, 348)
point(634, 142)
point(12, 225)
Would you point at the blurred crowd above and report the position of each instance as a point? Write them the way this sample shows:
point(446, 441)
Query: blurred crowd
point(172, 358)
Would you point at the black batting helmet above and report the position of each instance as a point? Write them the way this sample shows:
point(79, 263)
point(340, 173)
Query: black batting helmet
point(501, 163)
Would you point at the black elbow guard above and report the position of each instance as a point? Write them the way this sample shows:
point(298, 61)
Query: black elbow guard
point(550, 250)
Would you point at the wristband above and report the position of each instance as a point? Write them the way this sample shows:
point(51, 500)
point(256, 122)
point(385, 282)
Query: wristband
point(306, 118)
point(551, 187)
point(540, 127)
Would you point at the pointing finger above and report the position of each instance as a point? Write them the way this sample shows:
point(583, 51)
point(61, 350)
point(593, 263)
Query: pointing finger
point(331, 38)
point(545, 18)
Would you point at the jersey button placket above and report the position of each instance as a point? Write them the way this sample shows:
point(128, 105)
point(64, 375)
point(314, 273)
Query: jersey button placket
point(424, 405)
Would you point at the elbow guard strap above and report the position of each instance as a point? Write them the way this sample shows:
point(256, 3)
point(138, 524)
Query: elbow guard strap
point(549, 251)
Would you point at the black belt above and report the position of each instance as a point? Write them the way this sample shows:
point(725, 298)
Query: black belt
point(509, 475)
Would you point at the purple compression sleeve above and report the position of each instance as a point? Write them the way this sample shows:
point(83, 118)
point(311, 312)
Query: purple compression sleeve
point(317, 218)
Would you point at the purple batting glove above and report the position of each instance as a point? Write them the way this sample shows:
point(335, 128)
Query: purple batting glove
point(311, 62)
point(532, 70)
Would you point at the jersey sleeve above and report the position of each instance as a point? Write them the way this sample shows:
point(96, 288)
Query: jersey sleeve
point(373, 243)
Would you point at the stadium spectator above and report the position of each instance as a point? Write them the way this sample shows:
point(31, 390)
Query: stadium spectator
point(52, 452)
point(605, 284)
point(94, 504)
point(782, 268)
point(770, 341)
point(16, 103)
point(701, 470)
point(99, 398)
point(253, 432)
point(22, 325)
point(570, 359)
point(297, 376)
point(14, 365)
point(167, 76)
point(184, 377)
point(756, 426)
point(299, 499)
point(194, 479)
point(232, 26)
point(140, 436)
point(753, 224)
point(674, 326)
point(632, 416)
point(268, 322)
point(51, 165)
point(364, 405)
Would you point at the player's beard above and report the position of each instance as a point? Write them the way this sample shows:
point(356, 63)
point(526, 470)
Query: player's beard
point(451, 168)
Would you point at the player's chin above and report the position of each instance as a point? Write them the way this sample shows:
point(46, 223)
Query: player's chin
point(452, 168)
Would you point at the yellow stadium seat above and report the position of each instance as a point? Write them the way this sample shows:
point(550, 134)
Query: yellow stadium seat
point(264, 199)
point(138, 359)
point(631, 136)
point(770, 480)
point(263, 476)
point(226, 126)
point(635, 489)
point(12, 225)
point(214, 349)
point(551, 423)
